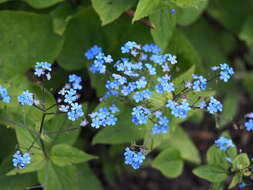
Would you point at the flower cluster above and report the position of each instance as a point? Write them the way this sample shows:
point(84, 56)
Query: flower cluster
point(43, 69)
point(26, 98)
point(225, 71)
point(134, 80)
point(133, 158)
point(224, 143)
point(4, 95)
point(68, 102)
point(21, 160)
point(162, 124)
point(179, 110)
point(104, 116)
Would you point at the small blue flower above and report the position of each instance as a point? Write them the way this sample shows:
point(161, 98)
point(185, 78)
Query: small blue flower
point(140, 115)
point(104, 117)
point(93, 52)
point(242, 185)
point(4, 95)
point(135, 159)
point(70, 96)
point(202, 105)
point(225, 71)
point(249, 115)
point(141, 83)
point(224, 143)
point(214, 106)
point(26, 98)
point(75, 112)
point(199, 83)
point(179, 110)
point(75, 81)
point(162, 126)
point(172, 59)
point(151, 48)
point(142, 95)
point(43, 69)
point(128, 89)
point(21, 160)
point(151, 69)
point(164, 85)
point(173, 11)
point(129, 46)
point(249, 125)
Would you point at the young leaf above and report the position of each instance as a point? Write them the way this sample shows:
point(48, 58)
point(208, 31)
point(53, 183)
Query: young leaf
point(169, 162)
point(109, 10)
point(63, 155)
point(145, 8)
point(236, 180)
point(241, 161)
point(211, 173)
point(164, 26)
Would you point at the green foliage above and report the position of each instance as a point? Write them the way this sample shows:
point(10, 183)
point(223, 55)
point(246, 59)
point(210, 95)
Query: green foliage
point(241, 161)
point(169, 162)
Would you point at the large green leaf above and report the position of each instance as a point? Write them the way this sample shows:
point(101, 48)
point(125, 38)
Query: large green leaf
point(63, 155)
point(247, 30)
point(25, 39)
point(181, 142)
point(109, 10)
point(241, 161)
point(169, 162)
point(53, 177)
point(164, 26)
point(211, 173)
point(42, 3)
point(145, 8)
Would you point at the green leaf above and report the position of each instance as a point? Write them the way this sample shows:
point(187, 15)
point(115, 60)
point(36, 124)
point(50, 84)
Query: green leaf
point(211, 173)
point(188, 15)
point(86, 178)
point(117, 134)
point(35, 37)
point(110, 10)
point(187, 3)
point(185, 52)
point(217, 186)
point(61, 130)
point(241, 161)
point(61, 16)
point(63, 155)
point(247, 82)
point(164, 26)
point(236, 180)
point(169, 162)
point(182, 142)
point(246, 31)
point(145, 8)
point(53, 177)
point(42, 3)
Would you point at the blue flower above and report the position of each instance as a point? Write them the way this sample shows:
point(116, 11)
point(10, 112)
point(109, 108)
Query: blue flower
point(164, 85)
point(202, 105)
point(225, 71)
point(151, 48)
point(26, 98)
point(4, 95)
point(179, 110)
point(129, 46)
point(214, 106)
point(135, 159)
point(224, 143)
point(21, 160)
point(43, 69)
point(141, 83)
point(163, 124)
point(249, 115)
point(128, 89)
point(92, 52)
point(199, 83)
point(75, 112)
point(242, 185)
point(173, 11)
point(172, 59)
point(249, 125)
point(75, 82)
point(151, 69)
point(142, 95)
point(104, 117)
point(70, 96)
point(140, 115)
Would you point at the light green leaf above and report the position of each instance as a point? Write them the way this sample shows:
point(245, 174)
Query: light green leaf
point(164, 26)
point(53, 177)
point(109, 10)
point(211, 173)
point(217, 186)
point(145, 8)
point(247, 82)
point(241, 161)
point(42, 3)
point(63, 155)
point(187, 3)
point(236, 180)
point(182, 142)
point(169, 162)
point(35, 37)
